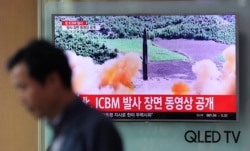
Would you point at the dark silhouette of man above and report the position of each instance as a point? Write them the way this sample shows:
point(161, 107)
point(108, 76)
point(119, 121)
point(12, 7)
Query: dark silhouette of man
point(42, 76)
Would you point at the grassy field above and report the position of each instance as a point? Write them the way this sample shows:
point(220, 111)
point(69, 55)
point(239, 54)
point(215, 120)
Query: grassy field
point(135, 45)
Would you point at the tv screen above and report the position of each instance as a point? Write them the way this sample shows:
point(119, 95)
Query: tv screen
point(153, 67)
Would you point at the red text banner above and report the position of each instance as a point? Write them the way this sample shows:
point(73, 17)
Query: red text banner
point(162, 103)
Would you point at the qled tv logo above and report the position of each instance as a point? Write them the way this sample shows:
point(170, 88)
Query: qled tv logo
point(209, 136)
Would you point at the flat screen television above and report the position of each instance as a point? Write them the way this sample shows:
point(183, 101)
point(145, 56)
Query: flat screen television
point(153, 67)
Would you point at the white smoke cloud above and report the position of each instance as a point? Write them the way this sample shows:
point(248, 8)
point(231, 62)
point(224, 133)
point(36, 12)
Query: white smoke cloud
point(114, 76)
point(212, 81)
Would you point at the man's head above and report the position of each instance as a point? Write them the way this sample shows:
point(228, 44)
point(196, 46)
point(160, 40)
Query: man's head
point(42, 75)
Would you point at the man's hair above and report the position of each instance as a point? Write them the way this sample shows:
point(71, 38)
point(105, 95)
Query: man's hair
point(42, 58)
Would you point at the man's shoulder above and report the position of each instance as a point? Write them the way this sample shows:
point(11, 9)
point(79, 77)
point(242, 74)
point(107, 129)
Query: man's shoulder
point(84, 114)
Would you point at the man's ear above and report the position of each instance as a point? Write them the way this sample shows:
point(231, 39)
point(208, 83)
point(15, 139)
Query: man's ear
point(53, 80)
